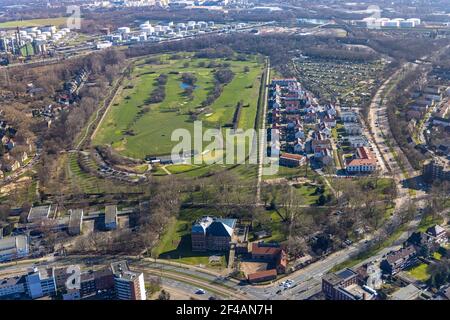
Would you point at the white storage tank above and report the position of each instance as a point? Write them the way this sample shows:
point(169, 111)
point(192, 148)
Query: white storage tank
point(124, 30)
point(407, 24)
point(416, 21)
point(143, 37)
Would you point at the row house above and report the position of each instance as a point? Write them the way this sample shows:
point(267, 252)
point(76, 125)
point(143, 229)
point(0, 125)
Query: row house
point(396, 261)
point(299, 146)
point(330, 121)
point(323, 155)
point(357, 141)
point(352, 128)
point(349, 116)
point(299, 133)
point(324, 129)
point(330, 110)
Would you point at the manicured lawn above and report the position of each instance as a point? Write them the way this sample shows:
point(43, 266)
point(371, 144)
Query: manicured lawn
point(420, 272)
point(34, 22)
point(285, 172)
point(136, 128)
point(307, 192)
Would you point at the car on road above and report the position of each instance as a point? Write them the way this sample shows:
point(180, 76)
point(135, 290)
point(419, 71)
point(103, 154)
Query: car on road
point(200, 291)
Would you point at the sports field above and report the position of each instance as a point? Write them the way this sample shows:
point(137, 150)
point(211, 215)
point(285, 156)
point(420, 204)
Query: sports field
point(136, 127)
point(34, 22)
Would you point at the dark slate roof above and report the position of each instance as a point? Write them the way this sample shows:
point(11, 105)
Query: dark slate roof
point(218, 229)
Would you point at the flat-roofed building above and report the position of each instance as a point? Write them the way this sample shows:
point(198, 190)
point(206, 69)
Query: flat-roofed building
point(357, 141)
point(110, 217)
point(345, 285)
point(75, 222)
point(12, 248)
point(39, 213)
point(436, 169)
point(40, 283)
point(12, 286)
point(129, 285)
point(352, 128)
point(410, 292)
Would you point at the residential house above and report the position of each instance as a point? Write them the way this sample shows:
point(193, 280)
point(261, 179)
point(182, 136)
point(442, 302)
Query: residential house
point(422, 241)
point(310, 117)
point(357, 141)
point(352, 128)
point(349, 116)
point(324, 129)
point(330, 121)
point(330, 110)
point(443, 122)
point(438, 234)
point(299, 146)
point(396, 261)
point(323, 155)
point(299, 133)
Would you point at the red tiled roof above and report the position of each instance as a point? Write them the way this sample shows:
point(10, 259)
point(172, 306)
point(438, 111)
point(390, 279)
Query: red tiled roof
point(364, 153)
point(256, 249)
point(262, 274)
point(361, 162)
point(292, 156)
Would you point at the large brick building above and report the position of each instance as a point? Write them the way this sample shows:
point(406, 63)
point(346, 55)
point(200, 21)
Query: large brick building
point(211, 233)
point(346, 285)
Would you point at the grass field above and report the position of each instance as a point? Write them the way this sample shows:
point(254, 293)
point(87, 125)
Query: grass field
point(151, 124)
point(420, 272)
point(34, 22)
point(176, 241)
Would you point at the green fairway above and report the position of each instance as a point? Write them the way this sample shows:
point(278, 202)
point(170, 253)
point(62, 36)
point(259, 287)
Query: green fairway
point(33, 22)
point(136, 128)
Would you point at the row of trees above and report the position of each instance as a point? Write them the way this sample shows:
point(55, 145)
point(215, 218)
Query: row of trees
point(159, 93)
